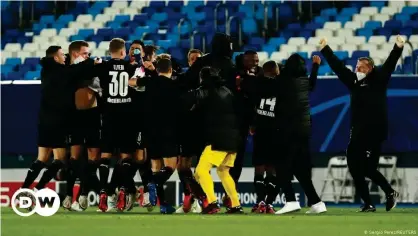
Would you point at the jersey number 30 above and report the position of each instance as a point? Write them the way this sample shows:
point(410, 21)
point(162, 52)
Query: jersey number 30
point(119, 84)
point(271, 102)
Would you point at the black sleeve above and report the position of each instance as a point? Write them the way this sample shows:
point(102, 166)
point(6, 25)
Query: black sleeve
point(390, 64)
point(191, 78)
point(84, 72)
point(313, 76)
point(140, 82)
point(343, 73)
point(189, 100)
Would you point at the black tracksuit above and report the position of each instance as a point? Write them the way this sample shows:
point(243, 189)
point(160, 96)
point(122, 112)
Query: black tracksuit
point(369, 124)
point(294, 127)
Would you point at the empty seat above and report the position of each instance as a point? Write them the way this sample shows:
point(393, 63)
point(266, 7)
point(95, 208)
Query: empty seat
point(350, 48)
point(344, 33)
point(92, 45)
point(279, 56)
point(5, 55)
point(352, 25)
point(103, 18)
point(130, 11)
point(58, 40)
point(361, 18)
point(333, 46)
point(120, 4)
point(336, 40)
point(104, 45)
point(44, 46)
point(111, 11)
point(342, 55)
point(397, 4)
point(67, 32)
point(30, 47)
point(13, 61)
point(40, 39)
point(95, 25)
point(308, 49)
point(373, 24)
point(324, 33)
point(76, 25)
point(99, 52)
point(314, 41)
point(12, 47)
point(84, 18)
point(381, 17)
point(386, 47)
point(388, 10)
point(332, 25)
point(296, 41)
point(48, 32)
point(369, 11)
point(23, 55)
point(356, 40)
point(139, 4)
point(39, 54)
point(413, 39)
point(369, 47)
point(377, 39)
point(288, 48)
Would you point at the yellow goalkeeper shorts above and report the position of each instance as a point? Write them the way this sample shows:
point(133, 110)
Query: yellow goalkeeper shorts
point(217, 158)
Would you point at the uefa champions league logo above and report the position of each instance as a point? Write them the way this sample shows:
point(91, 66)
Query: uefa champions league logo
point(47, 202)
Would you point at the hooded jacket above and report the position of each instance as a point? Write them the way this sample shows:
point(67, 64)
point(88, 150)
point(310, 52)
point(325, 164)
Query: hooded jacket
point(219, 58)
point(292, 106)
point(368, 96)
point(56, 93)
point(216, 106)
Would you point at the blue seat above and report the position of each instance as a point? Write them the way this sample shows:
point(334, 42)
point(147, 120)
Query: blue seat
point(306, 34)
point(175, 4)
point(24, 68)
point(365, 32)
point(197, 16)
point(32, 75)
point(13, 33)
point(94, 12)
point(141, 18)
point(6, 69)
point(402, 17)
point(47, 19)
point(100, 5)
point(148, 10)
point(360, 53)
point(77, 37)
point(324, 70)
point(276, 41)
point(247, 9)
point(294, 26)
point(122, 18)
point(406, 31)
point(342, 55)
point(97, 39)
point(269, 49)
point(113, 25)
point(412, 23)
point(14, 76)
point(408, 10)
point(166, 44)
point(329, 12)
point(139, 31)
point(153, 25)
point(378, 4)
point(321, 19)
point(349, 11)
point(213, 3)
point(105, 33)
point(65, 19)
point(256, 41)
point(393, 24)
point(343, 19)
point(86, 32)
point(314, 26)
point(148, 42)
point(157, 4)
point(122, 33)
point(195, 3)
point(58, 26)
point(303, 54)
point(32, 61)
point(373, 24)
point(13, 61)
point(250, 26)
point(36, 28)
point(178, 54)
point(287, 34)
point(384, 32)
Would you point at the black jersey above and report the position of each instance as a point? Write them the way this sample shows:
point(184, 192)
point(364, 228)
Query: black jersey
point(117, 96)
point(265, 100)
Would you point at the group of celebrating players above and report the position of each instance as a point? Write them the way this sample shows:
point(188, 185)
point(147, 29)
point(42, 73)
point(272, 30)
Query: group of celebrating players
point(155, 119)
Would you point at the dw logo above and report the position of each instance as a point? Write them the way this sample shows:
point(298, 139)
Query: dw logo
point(47, 202)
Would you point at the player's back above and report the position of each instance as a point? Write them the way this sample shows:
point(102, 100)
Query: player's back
point(117, 96)
point(265, 100)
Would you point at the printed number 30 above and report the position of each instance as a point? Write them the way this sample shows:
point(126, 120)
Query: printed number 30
point(271, 102)
point(119, 87)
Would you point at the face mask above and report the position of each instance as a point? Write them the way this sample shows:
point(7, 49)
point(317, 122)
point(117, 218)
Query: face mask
point(79, 59)
point(360, 75)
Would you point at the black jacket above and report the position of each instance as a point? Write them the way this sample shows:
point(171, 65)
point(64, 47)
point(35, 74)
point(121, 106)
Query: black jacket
point(216, 106)
point(368, 96)
point(292, 105)
point(56, 93)
point(219, 58)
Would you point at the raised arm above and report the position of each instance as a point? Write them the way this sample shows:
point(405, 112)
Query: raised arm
point(314, 72)
point(390, 64)
point(343, 73)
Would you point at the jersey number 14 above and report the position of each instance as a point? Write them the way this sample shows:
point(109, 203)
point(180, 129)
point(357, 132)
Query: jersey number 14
point(119, 84)
point(271, 102)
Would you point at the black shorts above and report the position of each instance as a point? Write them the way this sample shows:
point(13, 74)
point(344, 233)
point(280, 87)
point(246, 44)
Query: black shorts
point(117, 136)
point(266, 148)
point(86, 128)
point(52, 137)
point(157, 149)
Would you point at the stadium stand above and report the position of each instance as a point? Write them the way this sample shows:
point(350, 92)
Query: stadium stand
point(355, 29)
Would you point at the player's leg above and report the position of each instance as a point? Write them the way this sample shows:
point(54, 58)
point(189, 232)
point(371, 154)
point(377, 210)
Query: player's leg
point(36, 167)
point(271, 189)
point(127, 185)
point(374, 174)
point(356, 160)
point(185, 175)
point(259, 155)
point(52, 170)
point(204, 178)
point(228, 182)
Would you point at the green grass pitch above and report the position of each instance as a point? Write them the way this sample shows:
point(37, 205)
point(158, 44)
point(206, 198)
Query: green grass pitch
point(337, 221)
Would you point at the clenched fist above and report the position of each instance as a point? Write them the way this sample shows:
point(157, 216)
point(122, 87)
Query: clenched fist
point(400, 41)
point(323, 42)
point(316, 59)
